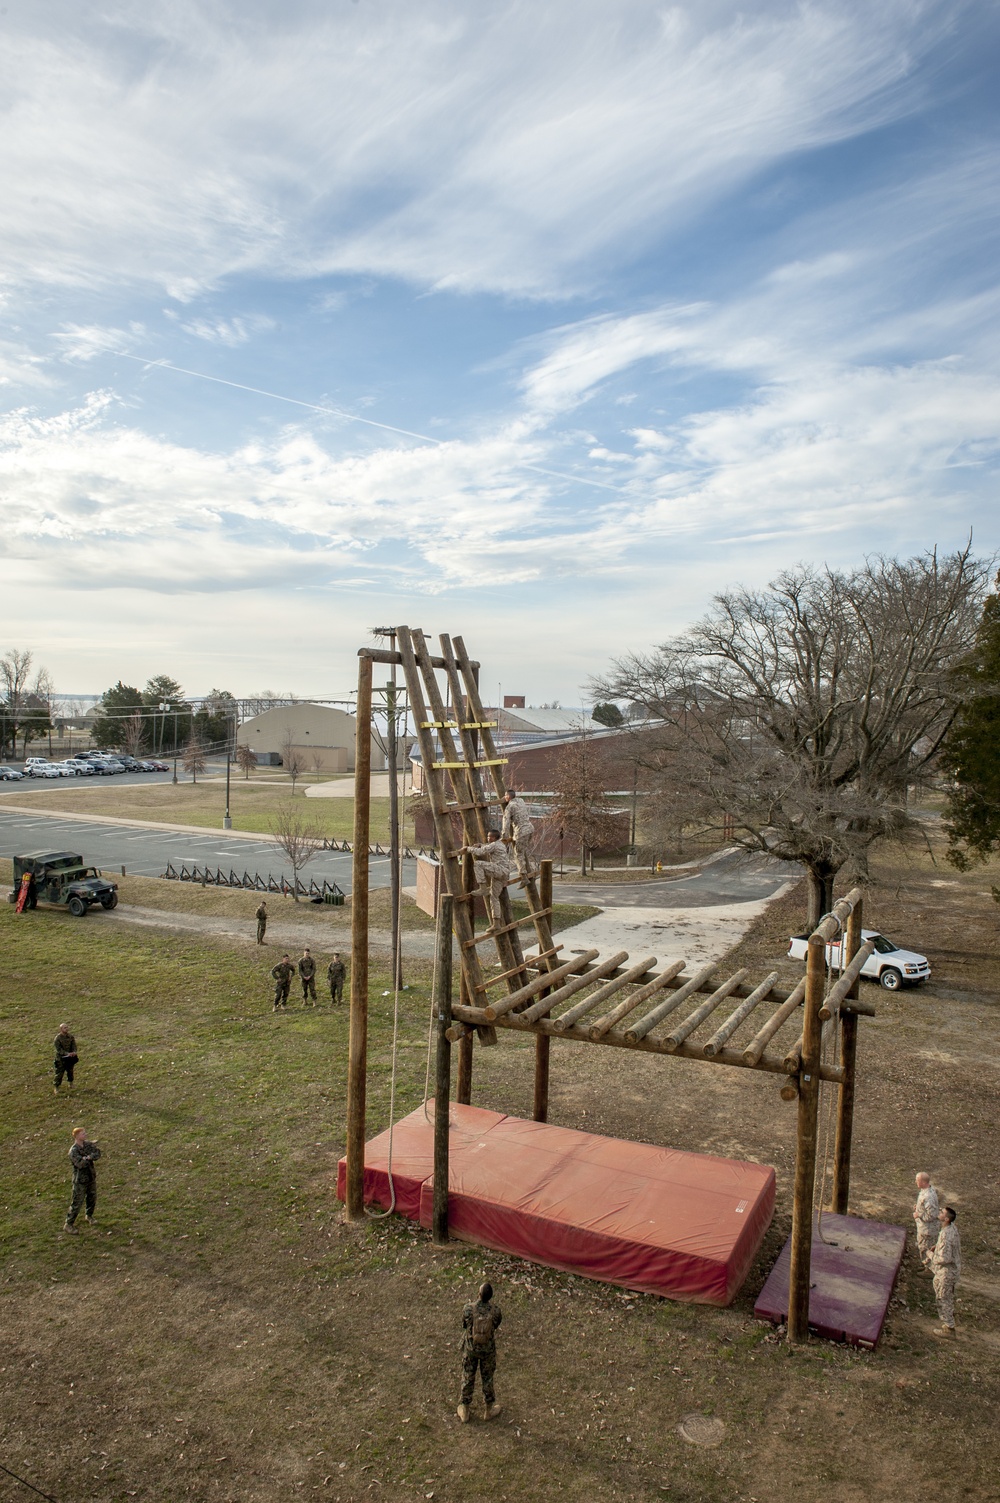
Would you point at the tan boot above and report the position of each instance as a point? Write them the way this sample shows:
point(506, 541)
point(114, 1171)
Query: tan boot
point(947, 1333)
point(492, 1410)
point(463, 1413)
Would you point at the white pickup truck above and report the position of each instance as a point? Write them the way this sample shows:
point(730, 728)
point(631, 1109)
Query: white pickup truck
point(889, 966)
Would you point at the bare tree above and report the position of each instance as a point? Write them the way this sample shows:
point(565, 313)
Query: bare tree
point(193, 758)
point(298, 838)
point(803, 713)
point(133, 734)
point(15, 673)
point(582, 804)
point(247, 759)
point(292, 759)
point(317, 757)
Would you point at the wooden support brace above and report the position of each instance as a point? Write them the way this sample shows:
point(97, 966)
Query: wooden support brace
point(843, 988)
point(682, 1030)
point(633, 974)
point(531, 962)
point(760, 1041)
point(610, 1020)
point(722, 1035)
point(570, 988)
point(495, 1010)
point(663, 1009)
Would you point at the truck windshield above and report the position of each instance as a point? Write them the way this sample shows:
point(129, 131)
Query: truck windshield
point(882, 945)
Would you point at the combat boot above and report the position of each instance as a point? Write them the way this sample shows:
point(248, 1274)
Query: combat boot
point(68, 1226)
point(492, 1410)
point(463, 1413)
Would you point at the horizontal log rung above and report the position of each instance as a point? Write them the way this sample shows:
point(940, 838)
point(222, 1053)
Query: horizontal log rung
point(532, 963)
point(492, 933)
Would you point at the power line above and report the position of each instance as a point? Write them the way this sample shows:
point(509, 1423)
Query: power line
point(354, 417)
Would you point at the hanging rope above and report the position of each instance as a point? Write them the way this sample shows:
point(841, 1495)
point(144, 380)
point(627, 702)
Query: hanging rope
point(397, 955)
point(831, 1090)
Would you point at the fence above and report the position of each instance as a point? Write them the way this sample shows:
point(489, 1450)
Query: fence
point(409, 853)
point(325, 891)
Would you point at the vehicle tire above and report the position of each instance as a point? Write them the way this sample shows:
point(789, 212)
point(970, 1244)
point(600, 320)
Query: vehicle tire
point(891, 979)
point(111, 902)
point(77, 907)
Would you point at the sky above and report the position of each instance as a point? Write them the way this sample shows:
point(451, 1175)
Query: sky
point(538, 324)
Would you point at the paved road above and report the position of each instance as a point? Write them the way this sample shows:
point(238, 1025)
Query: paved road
point(145, 853)
point(733, 878)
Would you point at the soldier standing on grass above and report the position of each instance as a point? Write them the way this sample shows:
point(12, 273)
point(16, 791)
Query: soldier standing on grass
point(282, 973)
point(479, 1350)
point(83, 1156)
point(65, 1056)
point(307, 975)
point(335, 974)
point(261, 922)
point(925, 1214)
point(946, 1261)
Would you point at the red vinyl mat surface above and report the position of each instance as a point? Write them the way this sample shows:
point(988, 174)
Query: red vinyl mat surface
point(685, 1225)
point(852, 1271)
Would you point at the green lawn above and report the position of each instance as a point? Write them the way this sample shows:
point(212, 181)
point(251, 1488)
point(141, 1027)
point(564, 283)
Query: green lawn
point(253, 806)
point(221, 1334)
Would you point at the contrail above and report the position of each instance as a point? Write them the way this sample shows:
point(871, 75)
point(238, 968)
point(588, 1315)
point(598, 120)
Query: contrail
point(353, 417)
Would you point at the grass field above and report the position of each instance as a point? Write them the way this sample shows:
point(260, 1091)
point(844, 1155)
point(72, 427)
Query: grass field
point(252, 805)
point(221, 1334)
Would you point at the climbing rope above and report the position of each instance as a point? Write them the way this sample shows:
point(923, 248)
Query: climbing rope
point(397, 955)
point(830, 1089)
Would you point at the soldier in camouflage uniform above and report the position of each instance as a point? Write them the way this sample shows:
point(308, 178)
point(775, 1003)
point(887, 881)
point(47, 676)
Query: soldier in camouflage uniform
point(65, 1056)
point(518, 829)
point(336, 972)
point(261, 917)
point(307, 975)
point(492, 867)
point(282, 973)
point(946, 1261)
point(83, 1156)
point(925, 1214)
point(480, 1322)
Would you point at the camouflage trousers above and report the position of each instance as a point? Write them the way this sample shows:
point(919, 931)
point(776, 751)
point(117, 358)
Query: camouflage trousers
point(523, 847)
point(944, 1292)
point(261, 930)
point(486, 1362)
point(61, 1067)
point(336, 991)
point(308, 987)
point(927, 1235)
point(84, 1193)
point(281, 990)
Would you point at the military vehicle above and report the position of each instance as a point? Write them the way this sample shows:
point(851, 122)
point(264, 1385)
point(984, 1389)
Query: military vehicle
point(61, 878)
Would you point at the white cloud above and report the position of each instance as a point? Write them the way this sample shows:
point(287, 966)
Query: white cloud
point(507, 146)
point(229, 331)
point(83, 342)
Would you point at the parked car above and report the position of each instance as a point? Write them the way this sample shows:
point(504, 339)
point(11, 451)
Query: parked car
point(145, 766)
point(66, 769)
point(10, 775)
point(157, 766)
point(129, 763)
point(113, 765)
point(890, 966)
point(60, 877)
point(41, 769)
point(84, 767)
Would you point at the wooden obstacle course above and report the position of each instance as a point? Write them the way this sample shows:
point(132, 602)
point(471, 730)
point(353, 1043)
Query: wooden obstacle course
point(543, 993)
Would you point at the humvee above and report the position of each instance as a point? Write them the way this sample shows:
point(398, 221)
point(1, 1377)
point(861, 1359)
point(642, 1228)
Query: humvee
point(62, 878)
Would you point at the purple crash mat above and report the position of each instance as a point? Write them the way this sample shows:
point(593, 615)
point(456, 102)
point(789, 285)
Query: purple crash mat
point(852, 1275)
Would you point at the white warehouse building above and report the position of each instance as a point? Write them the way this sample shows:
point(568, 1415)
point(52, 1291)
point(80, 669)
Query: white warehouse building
point(324, 737)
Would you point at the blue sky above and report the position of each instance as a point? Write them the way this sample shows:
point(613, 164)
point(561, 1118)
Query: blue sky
point(636, 301)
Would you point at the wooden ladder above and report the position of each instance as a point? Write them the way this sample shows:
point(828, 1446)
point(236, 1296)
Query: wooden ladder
point(467, 749)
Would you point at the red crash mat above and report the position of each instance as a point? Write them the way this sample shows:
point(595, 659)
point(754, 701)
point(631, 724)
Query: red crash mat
point(684, 1225)
point(413, 1155)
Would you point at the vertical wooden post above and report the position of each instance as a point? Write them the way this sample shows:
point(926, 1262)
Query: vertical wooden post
point(442, 1084)
point(463, 1088)
point(542, 1040)
point(357, 1059)
point(848, 1059)
point(805, 1154)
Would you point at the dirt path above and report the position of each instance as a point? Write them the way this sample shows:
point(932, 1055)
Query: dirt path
point(280, 933)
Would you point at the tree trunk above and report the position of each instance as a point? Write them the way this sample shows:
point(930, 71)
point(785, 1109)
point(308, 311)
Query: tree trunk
point(820, 894)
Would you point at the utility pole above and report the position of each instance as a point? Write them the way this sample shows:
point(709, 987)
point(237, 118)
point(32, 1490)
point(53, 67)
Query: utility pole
point(227, 823)
point(391, 741)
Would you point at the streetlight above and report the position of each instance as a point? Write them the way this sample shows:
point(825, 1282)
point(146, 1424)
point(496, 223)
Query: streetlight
point(227, 823)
